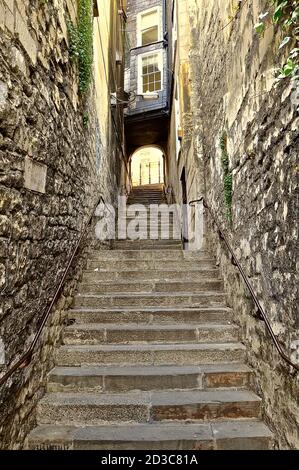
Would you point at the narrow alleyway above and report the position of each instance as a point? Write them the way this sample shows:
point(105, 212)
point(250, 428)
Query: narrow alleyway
point(149, 156)
point(151, 357)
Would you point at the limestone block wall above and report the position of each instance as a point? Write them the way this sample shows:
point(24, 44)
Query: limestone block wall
point(49, 181)
point(232, 81)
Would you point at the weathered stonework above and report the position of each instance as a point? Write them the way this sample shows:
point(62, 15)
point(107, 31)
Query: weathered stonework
point(232, 89)
point(41, 121)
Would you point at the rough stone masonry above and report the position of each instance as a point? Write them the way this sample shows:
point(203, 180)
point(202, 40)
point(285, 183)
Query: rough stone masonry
point(49, 180)
point(232, 76)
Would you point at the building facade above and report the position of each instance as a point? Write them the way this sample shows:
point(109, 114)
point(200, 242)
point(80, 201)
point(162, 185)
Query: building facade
point(147, 75)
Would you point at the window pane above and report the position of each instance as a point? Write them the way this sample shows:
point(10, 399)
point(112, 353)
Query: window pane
point(145, 84)
point(151, 73)
point(149, 35)
point(152, 87)
point(148, 20)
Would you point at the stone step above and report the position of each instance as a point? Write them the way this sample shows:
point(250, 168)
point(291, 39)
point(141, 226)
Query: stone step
point(151, 190)
point(208, 299)
point(89, 408)
point(217, 435)
point(147, 235)
point(120, 244)
point(151, 195)
point(150, 354)
point(94, 277)
point(122, 379)
point(150, 287)
point(152, 315)
point(127, 244)
point(182, 265)
point(128, 334)
point(146, 201)
point(146, 198)
point(149, 255)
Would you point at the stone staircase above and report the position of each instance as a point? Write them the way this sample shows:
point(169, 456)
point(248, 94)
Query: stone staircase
point(151, 358)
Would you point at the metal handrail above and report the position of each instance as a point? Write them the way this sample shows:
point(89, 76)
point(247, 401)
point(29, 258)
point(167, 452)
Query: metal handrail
point(236, 262)
point(25, 359)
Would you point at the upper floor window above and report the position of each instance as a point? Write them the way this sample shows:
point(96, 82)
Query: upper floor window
point(149, 26)
point(150, 72)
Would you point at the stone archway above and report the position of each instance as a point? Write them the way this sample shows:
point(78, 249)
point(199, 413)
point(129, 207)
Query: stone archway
point(147, 166)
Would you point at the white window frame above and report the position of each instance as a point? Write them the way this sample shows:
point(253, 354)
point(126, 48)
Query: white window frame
point(160, 55)
point(160, 24)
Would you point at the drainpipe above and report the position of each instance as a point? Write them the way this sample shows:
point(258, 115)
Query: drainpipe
point(164, 17)
point(165, 37)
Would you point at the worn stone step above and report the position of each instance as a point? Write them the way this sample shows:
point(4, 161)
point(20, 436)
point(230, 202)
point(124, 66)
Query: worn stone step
point(125, 378)
point(183, 265)
point(120, 244)
point(147, 195)
point(211, 299)
point(150, 354)
point(145, 203)
point(150, 287)
point(119, 334)
point(146, 227)
point(175, 254)
point(217, 435)
point(148, 232)
point(152, 315)
point(127, 244)
point(95, 276)
point(90, 408)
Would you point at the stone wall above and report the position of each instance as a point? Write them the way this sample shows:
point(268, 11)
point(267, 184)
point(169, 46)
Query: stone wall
point(232, 81)
point(49, 181)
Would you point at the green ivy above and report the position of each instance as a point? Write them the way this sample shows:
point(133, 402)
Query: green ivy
point(284, 13)
point(81, 43)
point(227, 176)
point(85, 119)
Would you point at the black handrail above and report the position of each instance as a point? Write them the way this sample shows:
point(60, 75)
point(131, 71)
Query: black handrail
point(236, 262)
point(25, 359)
